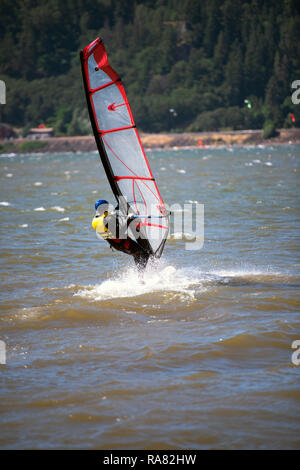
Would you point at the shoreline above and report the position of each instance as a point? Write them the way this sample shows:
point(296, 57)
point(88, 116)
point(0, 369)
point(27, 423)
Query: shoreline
point(154, 141)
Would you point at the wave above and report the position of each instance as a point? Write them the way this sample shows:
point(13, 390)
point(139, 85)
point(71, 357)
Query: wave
point(255, 277)
point(187, 236)
point(8, 155)
point(58, 208)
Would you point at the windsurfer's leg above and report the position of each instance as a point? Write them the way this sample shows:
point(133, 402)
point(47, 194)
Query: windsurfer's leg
point(141, 260)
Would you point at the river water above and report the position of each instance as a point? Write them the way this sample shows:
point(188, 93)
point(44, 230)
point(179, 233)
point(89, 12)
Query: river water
point(198, 355)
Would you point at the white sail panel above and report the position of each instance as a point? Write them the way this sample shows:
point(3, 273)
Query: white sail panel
point(125, 154)
point(111, 108)
point(97, 77)
point(144, 192)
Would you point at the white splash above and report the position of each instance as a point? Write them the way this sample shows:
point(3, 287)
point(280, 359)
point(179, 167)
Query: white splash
point(179, 282)
point(38, 183)
point(39, 209)
point(5, 203)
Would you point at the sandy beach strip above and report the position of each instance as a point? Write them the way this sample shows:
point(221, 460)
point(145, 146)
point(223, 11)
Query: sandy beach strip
point(158, 141)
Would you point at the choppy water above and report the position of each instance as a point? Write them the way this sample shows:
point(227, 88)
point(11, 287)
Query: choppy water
point(198, 356)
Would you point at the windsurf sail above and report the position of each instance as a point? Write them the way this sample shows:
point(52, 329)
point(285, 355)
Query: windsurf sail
point(120, 148)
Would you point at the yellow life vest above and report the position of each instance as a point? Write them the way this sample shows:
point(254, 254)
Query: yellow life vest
point(98, 224)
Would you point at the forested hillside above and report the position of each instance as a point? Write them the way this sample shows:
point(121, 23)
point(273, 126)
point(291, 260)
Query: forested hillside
point(187, 65)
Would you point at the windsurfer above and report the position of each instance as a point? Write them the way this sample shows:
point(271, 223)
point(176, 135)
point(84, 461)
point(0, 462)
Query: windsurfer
point(113, 227)
point(130, 228)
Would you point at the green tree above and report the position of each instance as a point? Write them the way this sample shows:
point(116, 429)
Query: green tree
point(234, 75)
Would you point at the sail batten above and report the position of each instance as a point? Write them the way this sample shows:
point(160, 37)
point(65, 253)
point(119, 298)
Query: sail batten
point(117, 178)
point(120, 147)
point(116, 130)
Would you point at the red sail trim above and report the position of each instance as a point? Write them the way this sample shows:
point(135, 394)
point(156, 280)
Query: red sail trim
point(93, 90)
point(116, 130)
point(100, 57)
point(117, 178)
point(87, 51)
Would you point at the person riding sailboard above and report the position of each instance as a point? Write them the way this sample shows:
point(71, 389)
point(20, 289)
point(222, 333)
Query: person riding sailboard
point(139, 224)
point(113, 227)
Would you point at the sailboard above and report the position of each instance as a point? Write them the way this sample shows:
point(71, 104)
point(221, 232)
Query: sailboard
point(121, 150)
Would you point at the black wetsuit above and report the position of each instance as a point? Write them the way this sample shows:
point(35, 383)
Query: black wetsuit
point(126, 245)
point(130, 247)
